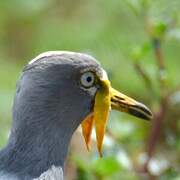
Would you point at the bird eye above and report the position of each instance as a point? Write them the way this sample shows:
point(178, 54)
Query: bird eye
point(87, 79)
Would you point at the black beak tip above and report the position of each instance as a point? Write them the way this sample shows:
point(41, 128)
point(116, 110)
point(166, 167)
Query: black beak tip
point(141, 111)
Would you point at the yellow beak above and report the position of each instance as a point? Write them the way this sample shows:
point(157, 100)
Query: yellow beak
point(105, 99)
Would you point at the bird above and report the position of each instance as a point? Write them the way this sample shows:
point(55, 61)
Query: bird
point(56, 93)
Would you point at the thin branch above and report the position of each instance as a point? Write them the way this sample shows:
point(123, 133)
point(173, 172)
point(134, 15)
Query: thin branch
point(144, 76)
point(156, 43)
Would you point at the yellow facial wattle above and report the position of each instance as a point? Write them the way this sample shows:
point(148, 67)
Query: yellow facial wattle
point(99, 116)
point(87, 126)
point(101, 112)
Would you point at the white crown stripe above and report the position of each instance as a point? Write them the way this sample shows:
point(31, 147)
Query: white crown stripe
point(49, 54)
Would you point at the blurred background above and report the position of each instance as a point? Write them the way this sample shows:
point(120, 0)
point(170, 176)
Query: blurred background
point(138, 43)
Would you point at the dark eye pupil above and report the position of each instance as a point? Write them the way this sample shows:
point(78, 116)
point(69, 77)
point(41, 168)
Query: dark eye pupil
point(89, 79)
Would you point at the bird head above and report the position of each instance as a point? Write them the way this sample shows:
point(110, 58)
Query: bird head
point(72, 89)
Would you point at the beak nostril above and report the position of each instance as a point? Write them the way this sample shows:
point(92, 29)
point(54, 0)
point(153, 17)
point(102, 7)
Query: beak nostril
point(120, 98)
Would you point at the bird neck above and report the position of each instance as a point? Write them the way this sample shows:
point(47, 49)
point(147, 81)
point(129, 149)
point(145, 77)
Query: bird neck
point(35, 145)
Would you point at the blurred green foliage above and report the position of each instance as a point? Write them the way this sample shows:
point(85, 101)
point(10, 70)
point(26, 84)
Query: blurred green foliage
point(122, 35)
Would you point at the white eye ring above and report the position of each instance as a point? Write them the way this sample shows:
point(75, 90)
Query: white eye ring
point(87, 79)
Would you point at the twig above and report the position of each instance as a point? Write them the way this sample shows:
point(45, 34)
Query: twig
point(144, 76)
point(159, 116)
point(156, 43)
